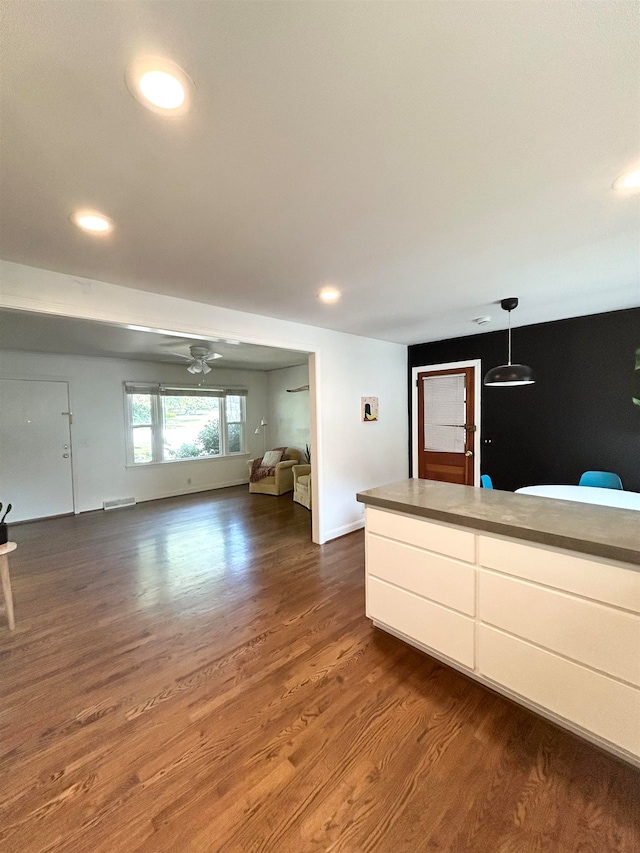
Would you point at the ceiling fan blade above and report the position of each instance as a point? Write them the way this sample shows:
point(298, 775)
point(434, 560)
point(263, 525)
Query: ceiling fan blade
point(180, 355)
point(212, 356)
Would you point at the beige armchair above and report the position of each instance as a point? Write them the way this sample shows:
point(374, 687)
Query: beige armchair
point(302, 485)
point(282, 479)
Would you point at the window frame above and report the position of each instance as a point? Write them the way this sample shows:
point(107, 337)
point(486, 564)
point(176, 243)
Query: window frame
point(242, 423)
point(156, 391)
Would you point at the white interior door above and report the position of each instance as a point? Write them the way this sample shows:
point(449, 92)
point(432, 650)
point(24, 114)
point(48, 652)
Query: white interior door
point(35, 448)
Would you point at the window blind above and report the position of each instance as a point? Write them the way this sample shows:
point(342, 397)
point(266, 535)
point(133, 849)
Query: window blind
point(136, 388)
point(188, 391)
point(444, 413)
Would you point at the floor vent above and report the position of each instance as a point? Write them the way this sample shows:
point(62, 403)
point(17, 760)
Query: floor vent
point(120, 502)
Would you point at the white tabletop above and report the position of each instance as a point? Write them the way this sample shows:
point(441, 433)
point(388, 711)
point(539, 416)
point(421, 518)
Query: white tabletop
point(586, 494)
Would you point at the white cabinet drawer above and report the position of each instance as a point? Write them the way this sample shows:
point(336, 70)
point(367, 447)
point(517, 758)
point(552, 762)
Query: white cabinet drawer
point(588, 632)
point(444, 539)
point(601, 581)
point(429, 624)
point(433, 576)
point(592, 701)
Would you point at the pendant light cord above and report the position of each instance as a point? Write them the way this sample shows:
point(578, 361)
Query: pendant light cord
point(509, 339)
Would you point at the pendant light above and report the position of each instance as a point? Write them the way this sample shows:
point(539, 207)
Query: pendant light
point(509, 374)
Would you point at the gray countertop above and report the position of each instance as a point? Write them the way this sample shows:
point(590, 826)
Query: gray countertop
point(596, 530)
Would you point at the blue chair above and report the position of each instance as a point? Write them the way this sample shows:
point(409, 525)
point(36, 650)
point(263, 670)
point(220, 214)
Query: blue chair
point(601, 480)
point(486, 482)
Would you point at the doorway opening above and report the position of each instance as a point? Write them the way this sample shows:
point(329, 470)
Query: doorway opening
point(95, 360)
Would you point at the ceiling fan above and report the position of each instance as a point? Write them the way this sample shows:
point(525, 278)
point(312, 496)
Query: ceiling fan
point(199, 358)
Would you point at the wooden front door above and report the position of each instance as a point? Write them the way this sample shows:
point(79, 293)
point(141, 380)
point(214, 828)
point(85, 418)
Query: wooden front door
point(445, 425)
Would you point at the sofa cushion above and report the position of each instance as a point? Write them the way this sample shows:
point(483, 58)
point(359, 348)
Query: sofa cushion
point(271, 458)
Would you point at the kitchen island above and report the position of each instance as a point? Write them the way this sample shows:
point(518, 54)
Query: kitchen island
point(537, 598)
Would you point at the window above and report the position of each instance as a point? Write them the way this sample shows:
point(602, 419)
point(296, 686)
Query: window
point(167, 424)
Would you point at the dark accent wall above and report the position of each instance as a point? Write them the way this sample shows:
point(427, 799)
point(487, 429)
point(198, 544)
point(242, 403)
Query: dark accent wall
point(579, 414)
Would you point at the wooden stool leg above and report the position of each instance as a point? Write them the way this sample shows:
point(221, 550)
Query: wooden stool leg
point(6, 589)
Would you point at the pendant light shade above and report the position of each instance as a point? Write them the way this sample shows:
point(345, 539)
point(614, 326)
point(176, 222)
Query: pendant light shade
point(509, 374)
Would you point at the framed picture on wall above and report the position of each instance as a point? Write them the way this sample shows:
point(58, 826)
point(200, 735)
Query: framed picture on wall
point(369, 407)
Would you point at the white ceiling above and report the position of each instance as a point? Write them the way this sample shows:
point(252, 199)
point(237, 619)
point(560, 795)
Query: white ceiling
point(25, 331)
point(429, 158)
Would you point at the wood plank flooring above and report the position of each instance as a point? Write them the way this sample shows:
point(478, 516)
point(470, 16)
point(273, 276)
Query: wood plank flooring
point(193, 674)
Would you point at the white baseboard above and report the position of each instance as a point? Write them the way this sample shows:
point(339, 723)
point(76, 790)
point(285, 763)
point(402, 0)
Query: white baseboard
point(243, 481)
point(194, 489)
point(343, 530)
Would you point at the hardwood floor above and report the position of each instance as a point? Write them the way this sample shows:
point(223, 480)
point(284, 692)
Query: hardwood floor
point(193, 674)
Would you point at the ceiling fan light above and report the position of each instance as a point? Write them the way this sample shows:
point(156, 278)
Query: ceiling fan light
point(195, 367)
point(205, 367)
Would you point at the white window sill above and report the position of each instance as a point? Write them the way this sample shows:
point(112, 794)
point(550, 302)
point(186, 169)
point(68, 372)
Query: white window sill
point(188, 461)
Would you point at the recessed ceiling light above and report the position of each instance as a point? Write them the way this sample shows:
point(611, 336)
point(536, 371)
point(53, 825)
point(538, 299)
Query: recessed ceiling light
point(629, 182)
point(91, 221)
point(329, 294)
point(160, 85)
point(162, 89)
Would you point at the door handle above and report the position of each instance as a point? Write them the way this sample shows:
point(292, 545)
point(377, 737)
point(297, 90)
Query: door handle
point(468, 453)
point(468, 427)
point(65, 455)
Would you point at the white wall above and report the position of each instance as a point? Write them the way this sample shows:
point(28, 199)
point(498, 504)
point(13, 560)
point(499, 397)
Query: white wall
point(289, 414)
point(347, 455)
point(98, 428)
